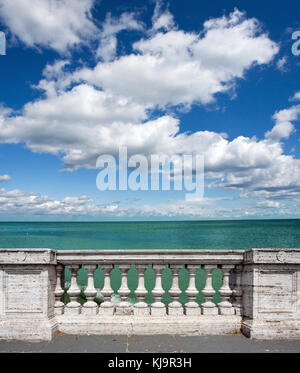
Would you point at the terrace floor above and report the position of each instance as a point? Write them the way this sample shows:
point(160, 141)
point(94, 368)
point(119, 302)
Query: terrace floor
point(153, 344)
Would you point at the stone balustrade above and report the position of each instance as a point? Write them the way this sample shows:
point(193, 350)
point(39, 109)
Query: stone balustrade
point(107, 260)
point(259, 293)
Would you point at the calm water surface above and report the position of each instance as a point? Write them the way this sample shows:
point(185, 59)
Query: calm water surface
point(152, 235)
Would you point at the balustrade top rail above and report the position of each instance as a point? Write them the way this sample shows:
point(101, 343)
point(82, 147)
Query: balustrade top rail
point(150, 257)
point(198, 257)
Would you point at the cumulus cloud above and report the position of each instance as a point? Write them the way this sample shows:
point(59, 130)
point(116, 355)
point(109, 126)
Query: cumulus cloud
point(277, 176)
point(283, 127)
point(162, 19)
point(281, 64)
point(4, 178)
point(94, 110)
point(55, 24)
point(268, 204)
point(207, 208)
point(84, 122)
point(56, 70)
point(274, 175)
point(19, 202)
point(296, 97)
point(181, 68)
point(110, 28)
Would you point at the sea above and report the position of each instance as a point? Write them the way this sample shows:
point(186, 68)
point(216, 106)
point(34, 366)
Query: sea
point(158, 235)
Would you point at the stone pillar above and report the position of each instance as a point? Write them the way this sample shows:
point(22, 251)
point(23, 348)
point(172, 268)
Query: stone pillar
point(271, 294)
point(73, 308)
point(158, 308)
point(225, 307)
point(59, 291)
point(192, 307)
point(175, 307)
point(141, 308)
point(90, 307)
point(124, 307)
point(27, 285)
point(106, 307)
point(237, 291)
point(208, 307)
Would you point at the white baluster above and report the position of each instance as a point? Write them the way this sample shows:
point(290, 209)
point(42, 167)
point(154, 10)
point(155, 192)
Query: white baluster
point(208, 307)
point(175, 307)
point(225, 307)
point(192, 308)
point(141, 308)
point(237, 291)
point(90, 307)
point(73, 307)
point(124, 307)
point(59, 291)
point(158, 308)
point(106, 307)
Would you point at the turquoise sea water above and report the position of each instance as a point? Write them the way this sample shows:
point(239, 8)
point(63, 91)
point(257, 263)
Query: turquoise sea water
point(242, 234)
point(152, 236)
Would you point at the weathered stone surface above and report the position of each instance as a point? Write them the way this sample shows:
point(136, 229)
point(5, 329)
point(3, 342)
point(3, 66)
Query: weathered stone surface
point(27, 285)
point(138, 325)
point(150, 257)
point(272, 256)
point(264, 330)
point(27, 256)
point(28, 329)
point(271, 285)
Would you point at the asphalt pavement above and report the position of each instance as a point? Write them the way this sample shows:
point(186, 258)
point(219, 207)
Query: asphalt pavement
point(151, 344)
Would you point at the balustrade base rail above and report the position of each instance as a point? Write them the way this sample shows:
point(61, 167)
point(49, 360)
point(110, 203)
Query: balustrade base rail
point(259, 293)
point(139, 325)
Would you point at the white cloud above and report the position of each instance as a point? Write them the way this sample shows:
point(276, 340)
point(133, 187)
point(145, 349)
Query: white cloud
point(109, 105)
point(110, 28)
point(162, 19)
point(281, 64)
point(55, 24)
point(86, 122)
point(260, 169)
point(4, 110)
point(272, 209)
point(279, 180)
point(283, 127)
point(207, 208)
point(4, 178)
point(55, 71)
point(296, 97)
point(180, 68)
point(268, 204)
point(18, 202)
point(82, 123)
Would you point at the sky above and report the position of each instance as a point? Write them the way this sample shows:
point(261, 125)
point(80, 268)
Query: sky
point(82, 78)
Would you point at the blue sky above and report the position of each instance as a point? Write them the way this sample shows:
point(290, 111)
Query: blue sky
point(81, 78)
